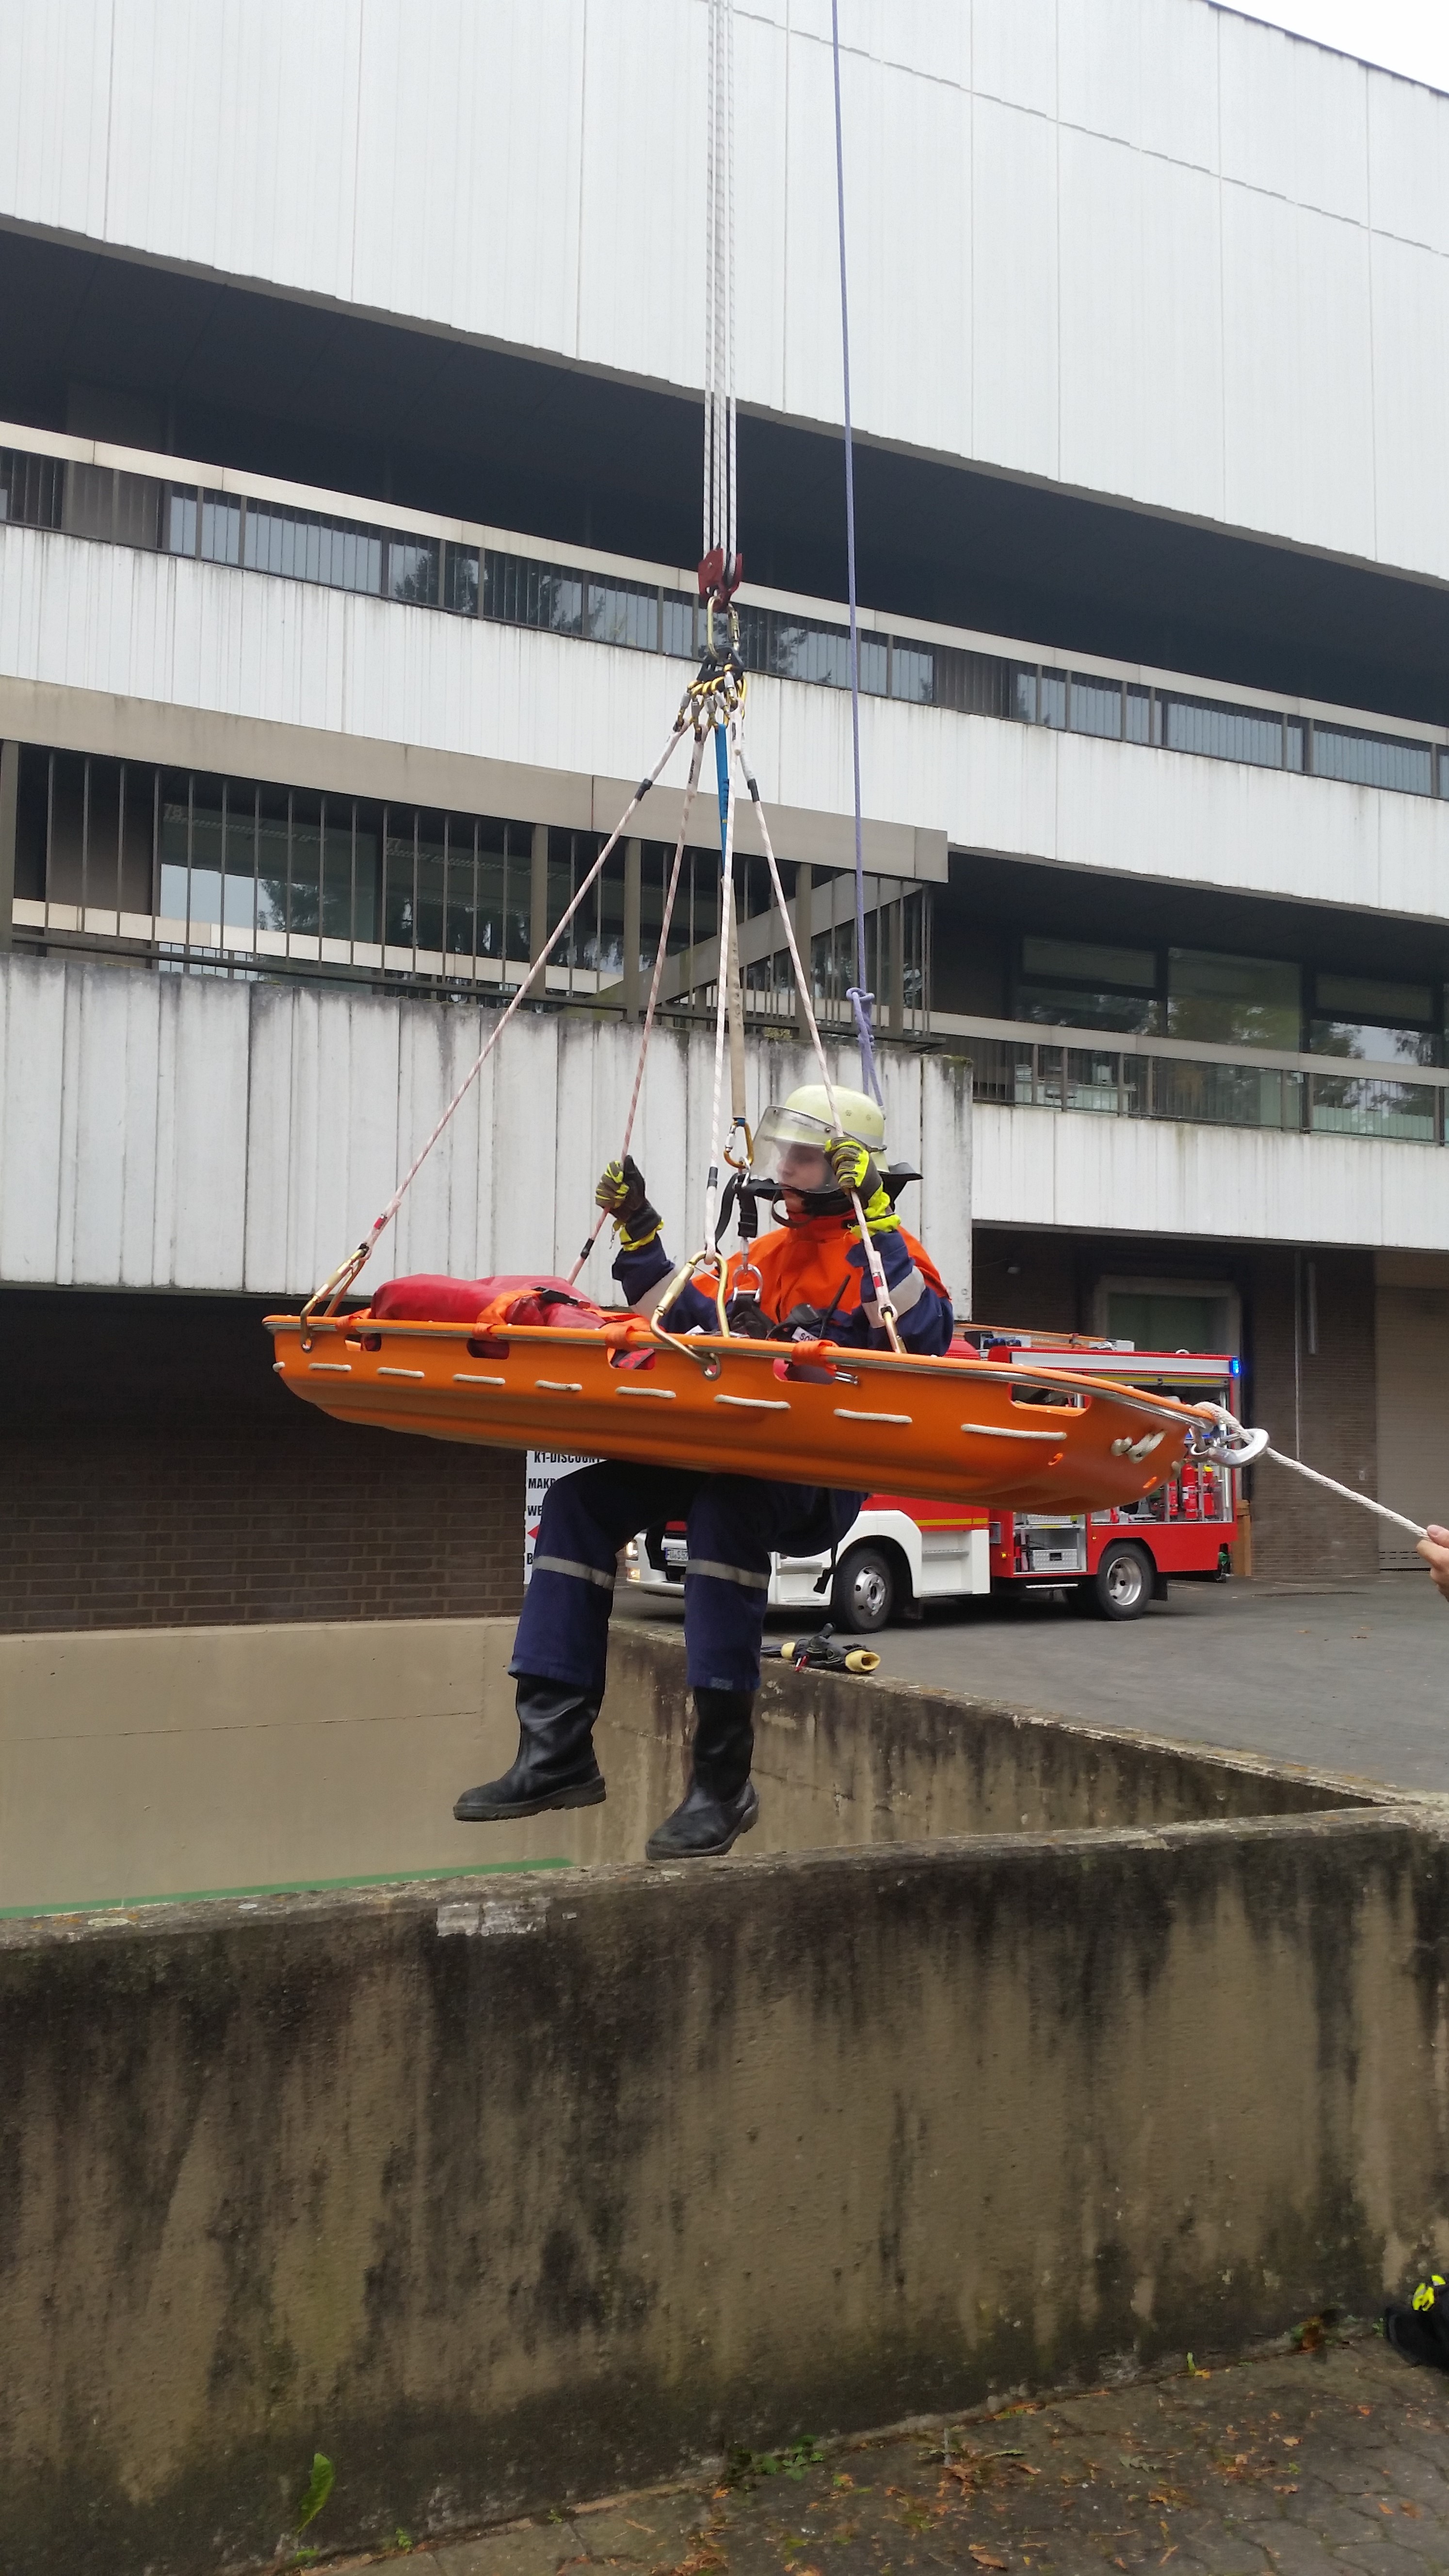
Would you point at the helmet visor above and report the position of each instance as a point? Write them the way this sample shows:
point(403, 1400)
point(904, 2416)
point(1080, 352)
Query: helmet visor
point(790, 1151)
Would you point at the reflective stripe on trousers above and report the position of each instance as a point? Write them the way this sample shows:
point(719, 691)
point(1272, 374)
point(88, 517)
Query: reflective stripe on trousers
point(734, 1523)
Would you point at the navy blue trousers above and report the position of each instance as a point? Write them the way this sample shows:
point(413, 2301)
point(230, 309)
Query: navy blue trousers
point(734, 1523)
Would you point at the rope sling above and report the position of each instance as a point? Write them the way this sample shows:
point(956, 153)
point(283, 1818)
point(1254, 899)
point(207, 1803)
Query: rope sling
point(712, 708)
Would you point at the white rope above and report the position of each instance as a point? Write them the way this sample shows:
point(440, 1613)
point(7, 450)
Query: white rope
point(719, 294)
point(656, 980)
point(342, 1277)
point(807, 1003)
point(717, 1138)
point(1331, 1485)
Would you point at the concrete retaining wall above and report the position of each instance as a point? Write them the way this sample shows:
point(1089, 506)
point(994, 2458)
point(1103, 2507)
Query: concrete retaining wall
point(518, 2189)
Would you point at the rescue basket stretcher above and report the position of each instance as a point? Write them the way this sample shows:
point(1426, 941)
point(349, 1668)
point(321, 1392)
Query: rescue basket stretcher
point(954, 1428)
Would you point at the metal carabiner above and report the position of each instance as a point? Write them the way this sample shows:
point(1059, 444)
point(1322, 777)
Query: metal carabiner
point(736, 1162)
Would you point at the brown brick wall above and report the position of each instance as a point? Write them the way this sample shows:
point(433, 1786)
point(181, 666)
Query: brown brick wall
point(154, 1474)
point(1300, 1534)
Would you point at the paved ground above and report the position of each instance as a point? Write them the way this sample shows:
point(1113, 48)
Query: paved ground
point(1335, 2458)
point(1357, 1680)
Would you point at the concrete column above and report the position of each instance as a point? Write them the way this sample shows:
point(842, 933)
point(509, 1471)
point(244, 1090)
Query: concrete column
point(633, 857)
point(538, 893)
point(803, 932)
point(9, 795)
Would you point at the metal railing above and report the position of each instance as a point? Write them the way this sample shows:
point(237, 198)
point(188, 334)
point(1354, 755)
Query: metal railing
point(467, 576)
point(1196, 1085)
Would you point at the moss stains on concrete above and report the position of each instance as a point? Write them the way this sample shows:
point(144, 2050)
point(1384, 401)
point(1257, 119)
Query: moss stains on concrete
point(506, 2191)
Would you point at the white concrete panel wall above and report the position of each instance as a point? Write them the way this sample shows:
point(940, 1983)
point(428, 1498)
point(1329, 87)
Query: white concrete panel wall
point(1144, 246)
point(162, 1131)
point(194, 635)
point(1043, 1167)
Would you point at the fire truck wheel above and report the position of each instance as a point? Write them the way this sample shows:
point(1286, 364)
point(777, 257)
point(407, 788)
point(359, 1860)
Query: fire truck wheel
point(865, 1591)
point(1122, 1585)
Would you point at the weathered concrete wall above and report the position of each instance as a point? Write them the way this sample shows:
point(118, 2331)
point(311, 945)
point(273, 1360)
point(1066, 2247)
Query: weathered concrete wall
point(164, 1762)
point(513, 2190)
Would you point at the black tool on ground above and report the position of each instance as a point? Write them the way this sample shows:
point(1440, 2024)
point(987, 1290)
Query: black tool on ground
point(823, 1653)
point(1419, 2332)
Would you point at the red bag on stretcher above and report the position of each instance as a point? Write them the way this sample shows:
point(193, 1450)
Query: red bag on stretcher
point(513, 1297)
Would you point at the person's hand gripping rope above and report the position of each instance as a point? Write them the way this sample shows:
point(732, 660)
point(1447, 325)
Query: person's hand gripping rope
point(622, 1195)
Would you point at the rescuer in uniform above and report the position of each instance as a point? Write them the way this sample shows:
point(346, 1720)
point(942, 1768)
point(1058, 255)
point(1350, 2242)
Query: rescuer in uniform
point(810, 1278)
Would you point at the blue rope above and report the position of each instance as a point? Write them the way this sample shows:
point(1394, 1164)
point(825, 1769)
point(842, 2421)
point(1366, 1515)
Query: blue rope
point(860, 999)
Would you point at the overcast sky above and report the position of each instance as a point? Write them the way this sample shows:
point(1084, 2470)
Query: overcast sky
point(1406, 35)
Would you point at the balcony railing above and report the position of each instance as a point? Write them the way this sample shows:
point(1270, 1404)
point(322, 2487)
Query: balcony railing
point(1197, 1085)
point(447, 568)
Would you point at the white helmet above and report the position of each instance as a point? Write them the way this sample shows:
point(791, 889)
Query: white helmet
point(805, 1119)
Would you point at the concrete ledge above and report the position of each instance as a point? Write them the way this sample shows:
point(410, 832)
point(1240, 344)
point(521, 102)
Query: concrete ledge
point(506, 2191)
point(141, 1763)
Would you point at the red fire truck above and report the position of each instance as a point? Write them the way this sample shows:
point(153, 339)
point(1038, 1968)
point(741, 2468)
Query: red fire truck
point(904, 1551)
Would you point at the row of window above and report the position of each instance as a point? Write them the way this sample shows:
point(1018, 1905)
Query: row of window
point(234, 875)
point(1224, 1000)
point(189, 862)
point(468, 581)
point(1022, 1075)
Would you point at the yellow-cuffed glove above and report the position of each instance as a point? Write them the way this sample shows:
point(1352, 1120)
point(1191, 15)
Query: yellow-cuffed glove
point(622, 1195)
point(854, 1170)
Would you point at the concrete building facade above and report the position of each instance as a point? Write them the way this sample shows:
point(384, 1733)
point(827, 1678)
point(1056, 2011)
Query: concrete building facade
point(349, 454)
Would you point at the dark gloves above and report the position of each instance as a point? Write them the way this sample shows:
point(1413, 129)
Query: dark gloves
point(621, 1194)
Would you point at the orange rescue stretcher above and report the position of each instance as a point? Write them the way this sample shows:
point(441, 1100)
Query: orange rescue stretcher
point(814, 1413)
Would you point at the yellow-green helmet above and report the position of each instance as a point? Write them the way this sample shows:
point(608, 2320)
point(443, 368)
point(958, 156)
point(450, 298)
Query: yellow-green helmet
point(806, 1119)
point(804, 1126)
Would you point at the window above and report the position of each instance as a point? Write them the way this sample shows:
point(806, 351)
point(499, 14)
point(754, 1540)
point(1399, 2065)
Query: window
point(1377, 1021)
point(1097, 706)
point(624, 612)
point(412, 571)
point(1372, 760)
point(1092, 964)
point(221, 523)
point(461, 591)
point(1219, 732)
point(304, 548)
point(1233, 1001)
point(31, 489)
point(1158, 1319)
point(1085, 984)
point(913, 674)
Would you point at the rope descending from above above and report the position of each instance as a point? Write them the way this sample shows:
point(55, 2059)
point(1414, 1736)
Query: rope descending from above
point(719, 297)
point(859, 998)
point(660, 954)
point(884, 1306)
point(335, 1287)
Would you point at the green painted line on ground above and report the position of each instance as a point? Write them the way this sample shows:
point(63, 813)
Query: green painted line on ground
point(286, 1887)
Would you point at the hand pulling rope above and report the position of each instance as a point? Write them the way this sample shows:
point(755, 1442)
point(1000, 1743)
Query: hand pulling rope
point(336, 1287)
point(660, 954)
point(857, 995)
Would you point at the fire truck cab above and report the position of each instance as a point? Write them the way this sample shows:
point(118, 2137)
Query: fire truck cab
point(903, 1550)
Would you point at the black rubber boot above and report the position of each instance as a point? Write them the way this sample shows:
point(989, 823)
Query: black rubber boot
point(555, 1764)
point(720, 1803)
